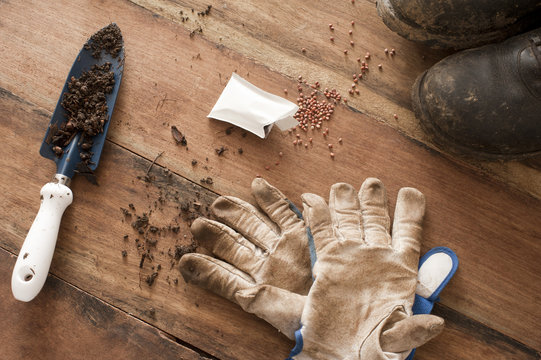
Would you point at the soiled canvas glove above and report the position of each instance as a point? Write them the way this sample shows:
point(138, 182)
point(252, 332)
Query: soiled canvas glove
point(365, 278)
point(254, 248)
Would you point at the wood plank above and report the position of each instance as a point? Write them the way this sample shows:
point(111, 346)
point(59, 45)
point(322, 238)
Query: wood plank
point(64, 322)
point(91, 241)
point(273, 33)
point(92, 238)
point(33, 70)
point(498, 246)
point(464, 338)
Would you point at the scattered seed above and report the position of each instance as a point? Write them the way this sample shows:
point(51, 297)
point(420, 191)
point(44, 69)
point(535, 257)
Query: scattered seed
point(345, 51)
point(332, 155)
point(395, 116)
point(340, 140)
point(380, 66)
point(332, 38)
point(351, 43)
point(285, 91)
point(353, 23)
point(351, 32)
point(280, 154)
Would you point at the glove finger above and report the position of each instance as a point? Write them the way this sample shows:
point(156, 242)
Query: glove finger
point(215, 275)
point(246, 219)
point(226, 244)
point(280, 308)
point(345, 212)
point(275, 205)
point(317, 218)
point(375, 214)
point(411, 332)
point(408, 221)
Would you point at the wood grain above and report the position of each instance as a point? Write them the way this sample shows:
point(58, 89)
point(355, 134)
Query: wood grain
point(492, 228)
point(273, 33)
point(89, 255)
point(64, 322)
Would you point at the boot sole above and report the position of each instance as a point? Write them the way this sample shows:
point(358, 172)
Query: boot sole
point(412, 31)
point(446, 143)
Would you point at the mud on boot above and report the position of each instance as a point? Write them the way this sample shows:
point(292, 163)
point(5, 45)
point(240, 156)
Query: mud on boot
point(485, 103)
point(459, 24)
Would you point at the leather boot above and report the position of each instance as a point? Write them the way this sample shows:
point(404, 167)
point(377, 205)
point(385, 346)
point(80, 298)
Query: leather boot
point(459, 24)
point(485, 103)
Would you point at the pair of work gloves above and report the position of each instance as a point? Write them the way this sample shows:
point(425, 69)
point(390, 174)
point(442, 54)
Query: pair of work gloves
point(333, 278)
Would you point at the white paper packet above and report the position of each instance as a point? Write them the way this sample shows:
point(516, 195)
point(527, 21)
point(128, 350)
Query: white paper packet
point(248, 107)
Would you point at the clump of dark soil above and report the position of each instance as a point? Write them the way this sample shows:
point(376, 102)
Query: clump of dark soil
point(109, 39)
point(85, 104)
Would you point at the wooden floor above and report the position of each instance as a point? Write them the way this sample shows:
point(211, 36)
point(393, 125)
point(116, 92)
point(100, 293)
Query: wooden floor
point(97, 303)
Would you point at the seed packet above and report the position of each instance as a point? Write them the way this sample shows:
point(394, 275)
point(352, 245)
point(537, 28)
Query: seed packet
point(252, 109)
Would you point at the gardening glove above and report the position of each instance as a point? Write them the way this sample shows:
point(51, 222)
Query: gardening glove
point(253, 247)
point(365, 279)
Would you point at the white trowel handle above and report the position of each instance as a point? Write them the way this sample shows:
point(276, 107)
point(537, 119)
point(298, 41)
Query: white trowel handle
point(35, 257)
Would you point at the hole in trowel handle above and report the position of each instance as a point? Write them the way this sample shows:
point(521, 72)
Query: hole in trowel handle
point(29, 277)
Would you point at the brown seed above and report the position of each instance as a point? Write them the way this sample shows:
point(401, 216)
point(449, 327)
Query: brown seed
point(267, 167)
point(332, 38)
point(380, 66)
point(353, 23)
point(303, 50)
point(345, 52)
point(332, 154)
point(395, 116)
point(280, 154)
point(351, 43)
point(340, 140)
point(285, 91)
point(351, 32)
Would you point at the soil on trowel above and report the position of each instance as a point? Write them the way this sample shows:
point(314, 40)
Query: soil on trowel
point(85, 101)
point(108, 39)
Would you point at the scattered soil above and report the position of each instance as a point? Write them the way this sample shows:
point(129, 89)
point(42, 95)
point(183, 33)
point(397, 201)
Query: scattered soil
point(205, 12)
point(220, 151)
point(157, 242)
point(179, 137)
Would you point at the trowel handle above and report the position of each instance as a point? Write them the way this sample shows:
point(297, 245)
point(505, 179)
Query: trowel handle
point(32, 266)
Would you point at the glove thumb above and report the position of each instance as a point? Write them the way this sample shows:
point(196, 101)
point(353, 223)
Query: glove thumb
point(410, 333)
point(280, 308)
